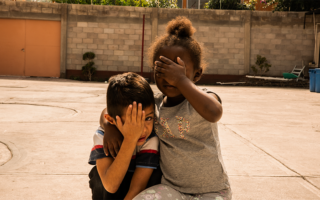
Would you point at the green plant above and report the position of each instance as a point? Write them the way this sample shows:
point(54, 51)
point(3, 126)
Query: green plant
point(262, 66)
point(88, 70)
point(230, 5)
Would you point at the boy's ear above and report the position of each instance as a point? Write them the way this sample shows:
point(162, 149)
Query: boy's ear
point(197, 76)
point(110, 119)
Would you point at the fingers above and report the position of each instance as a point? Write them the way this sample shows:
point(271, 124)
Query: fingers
point(160, 70)
point(134, 112)
point(180, 61)
point(105, 149)
point(116, 149)
point(113, 153)
point(166, 60)
point(129, 113)
point(139, 114)
point(143, 116)
point(119, 123)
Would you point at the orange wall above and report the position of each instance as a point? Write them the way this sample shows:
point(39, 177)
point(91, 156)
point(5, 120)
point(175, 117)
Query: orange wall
point(42, 48)
point(12, 40)
point(41, 43)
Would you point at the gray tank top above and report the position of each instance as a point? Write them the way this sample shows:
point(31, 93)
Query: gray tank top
point(190, 155)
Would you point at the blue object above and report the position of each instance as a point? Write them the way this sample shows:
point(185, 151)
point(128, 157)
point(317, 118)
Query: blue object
point(317, 81)
point(312, 79)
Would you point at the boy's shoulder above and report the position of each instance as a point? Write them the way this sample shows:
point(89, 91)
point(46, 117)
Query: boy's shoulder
point(152, 144)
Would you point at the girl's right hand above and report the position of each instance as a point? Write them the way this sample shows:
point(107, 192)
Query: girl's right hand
point(133, 126)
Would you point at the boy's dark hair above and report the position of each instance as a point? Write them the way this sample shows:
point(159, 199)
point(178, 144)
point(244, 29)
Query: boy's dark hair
point(179, 33)
point(125, 88)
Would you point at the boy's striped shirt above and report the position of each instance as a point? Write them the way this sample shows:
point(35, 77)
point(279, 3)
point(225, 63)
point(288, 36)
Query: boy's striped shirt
point(145, 156)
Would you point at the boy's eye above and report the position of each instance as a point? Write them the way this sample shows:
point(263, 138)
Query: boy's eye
point(149, 118)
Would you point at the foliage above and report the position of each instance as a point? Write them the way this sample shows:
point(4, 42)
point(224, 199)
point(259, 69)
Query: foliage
point(231, 5)
point(136, 3)
point(262, 66)
point(88, 70)
point(88, 56)
point(293, 5)
point(162, 3)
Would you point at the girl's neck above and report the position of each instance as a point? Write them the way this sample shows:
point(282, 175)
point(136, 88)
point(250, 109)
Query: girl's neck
point(173, 101)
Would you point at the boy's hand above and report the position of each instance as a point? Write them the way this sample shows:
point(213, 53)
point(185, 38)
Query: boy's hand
point(134, 123)
point(172, 72)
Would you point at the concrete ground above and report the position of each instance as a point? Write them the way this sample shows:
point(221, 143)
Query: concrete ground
point(270, 139)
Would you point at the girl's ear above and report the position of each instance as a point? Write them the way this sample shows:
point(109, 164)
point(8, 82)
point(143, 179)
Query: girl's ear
point(197, 75)
point(110, 119)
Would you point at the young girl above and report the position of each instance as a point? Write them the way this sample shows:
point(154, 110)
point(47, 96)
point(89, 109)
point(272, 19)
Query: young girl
point(186, 121)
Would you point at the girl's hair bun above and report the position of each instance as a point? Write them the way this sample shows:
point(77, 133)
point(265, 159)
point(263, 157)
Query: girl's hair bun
point(180, 27)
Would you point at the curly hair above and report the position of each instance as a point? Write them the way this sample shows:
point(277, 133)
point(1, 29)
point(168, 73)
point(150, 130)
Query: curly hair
point(179, 32)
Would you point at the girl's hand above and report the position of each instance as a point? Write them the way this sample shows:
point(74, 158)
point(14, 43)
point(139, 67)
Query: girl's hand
point(172, 72)
point(133, 126)
point(112, 140)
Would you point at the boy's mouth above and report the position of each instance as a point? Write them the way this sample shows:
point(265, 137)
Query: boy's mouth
point(141, 139)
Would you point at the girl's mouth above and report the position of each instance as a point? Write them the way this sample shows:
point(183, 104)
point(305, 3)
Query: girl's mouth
point(169, 87)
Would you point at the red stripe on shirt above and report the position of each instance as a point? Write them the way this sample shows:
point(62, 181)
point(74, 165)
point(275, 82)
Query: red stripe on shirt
point(133, 157)
point(97, 147)
point(149, 151)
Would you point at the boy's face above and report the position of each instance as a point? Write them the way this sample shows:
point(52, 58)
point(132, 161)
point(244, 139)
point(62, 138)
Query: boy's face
point(148, 124)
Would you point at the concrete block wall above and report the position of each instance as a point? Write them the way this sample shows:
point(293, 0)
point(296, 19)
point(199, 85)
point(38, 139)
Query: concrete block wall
point(230, 39)
point(113, 33)
point(282, 39)
point(25, 10)
point(221, 34)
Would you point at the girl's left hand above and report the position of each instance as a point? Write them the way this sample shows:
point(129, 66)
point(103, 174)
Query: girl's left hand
point(172, 72)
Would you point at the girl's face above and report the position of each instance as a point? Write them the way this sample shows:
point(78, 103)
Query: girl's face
point(173, 52)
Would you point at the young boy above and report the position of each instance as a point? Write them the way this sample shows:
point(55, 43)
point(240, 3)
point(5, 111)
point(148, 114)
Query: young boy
point(130, 107)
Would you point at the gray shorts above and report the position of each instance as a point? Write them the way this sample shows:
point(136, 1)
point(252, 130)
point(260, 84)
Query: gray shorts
point(164, 192)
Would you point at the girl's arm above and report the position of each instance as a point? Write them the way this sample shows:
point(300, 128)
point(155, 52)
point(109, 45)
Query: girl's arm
point(207, 105)
point(112, 138)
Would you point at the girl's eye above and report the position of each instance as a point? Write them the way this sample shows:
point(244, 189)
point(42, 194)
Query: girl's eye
point(149, 118)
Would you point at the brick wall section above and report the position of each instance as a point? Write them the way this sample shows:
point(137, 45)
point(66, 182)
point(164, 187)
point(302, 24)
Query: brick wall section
point(221, 34)
point(28, 7)
point(113, 33)
point(117, 45)
point(282, 39)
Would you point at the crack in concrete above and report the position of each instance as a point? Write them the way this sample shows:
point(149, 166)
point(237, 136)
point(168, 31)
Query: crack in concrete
point(9, 152)
point(279, 161)
point(33, 104)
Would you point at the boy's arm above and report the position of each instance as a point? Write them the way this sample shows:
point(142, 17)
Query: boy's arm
point(139, 182)
point(112, 174)
point(112, 171)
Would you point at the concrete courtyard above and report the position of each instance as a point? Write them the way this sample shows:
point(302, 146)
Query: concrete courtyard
point(270, 139)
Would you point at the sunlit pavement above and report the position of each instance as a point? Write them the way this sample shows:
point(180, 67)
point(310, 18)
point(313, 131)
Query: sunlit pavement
point(270, 139)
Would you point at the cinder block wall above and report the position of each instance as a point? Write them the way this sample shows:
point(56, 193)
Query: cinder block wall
point(113, 33)
point(282, 39)
point(231, 39)
point(221, 34)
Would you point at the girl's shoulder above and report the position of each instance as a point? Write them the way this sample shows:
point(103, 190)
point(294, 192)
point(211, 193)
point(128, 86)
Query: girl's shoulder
point(158, 97)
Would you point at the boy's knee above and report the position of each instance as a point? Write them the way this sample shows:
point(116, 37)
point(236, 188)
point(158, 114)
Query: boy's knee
point(95, 184)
